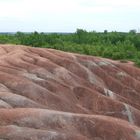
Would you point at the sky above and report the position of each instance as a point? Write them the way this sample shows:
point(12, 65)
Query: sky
point(68, 15)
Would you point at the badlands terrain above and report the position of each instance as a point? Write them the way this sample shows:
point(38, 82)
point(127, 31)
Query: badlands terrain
point(47, 94)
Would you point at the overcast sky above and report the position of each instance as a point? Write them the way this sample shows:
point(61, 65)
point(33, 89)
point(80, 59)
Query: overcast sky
point(68, 15)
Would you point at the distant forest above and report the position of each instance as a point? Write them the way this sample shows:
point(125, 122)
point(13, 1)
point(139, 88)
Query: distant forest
point(114, 45)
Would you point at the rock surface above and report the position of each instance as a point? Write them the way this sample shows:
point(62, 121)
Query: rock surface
point(47, 94)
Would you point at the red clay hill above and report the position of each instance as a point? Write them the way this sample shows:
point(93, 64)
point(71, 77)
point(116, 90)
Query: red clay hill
point(47, 94)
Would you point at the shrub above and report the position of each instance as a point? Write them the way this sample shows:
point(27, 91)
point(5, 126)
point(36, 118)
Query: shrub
point(137, 62)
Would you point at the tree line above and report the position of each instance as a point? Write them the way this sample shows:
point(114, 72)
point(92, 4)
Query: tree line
point(115, 45)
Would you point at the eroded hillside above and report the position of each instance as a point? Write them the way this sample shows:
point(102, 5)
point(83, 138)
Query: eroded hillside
point(47, 94)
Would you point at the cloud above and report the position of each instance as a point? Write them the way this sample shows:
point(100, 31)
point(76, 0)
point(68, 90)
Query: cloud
point(62, 15)
point(111, 2)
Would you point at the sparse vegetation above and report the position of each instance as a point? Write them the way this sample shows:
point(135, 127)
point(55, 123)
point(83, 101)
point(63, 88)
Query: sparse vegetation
point(123, 61)
point(114, 45)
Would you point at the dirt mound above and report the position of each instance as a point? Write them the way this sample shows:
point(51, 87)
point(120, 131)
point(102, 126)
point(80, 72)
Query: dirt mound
point(53, 95)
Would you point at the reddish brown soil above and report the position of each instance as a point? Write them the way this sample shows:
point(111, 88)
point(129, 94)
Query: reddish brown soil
point(47, 94)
